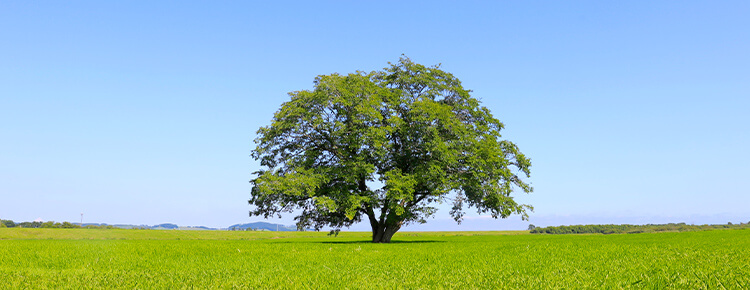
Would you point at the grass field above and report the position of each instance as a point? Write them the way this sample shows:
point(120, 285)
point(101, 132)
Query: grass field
point(81, 258)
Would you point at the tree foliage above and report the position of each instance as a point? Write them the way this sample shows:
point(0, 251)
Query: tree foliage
point(39, 224)
point(385, 146)
point(8, 223)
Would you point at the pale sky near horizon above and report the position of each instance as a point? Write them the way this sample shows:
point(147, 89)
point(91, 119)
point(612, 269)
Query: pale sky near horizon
point(144, 112)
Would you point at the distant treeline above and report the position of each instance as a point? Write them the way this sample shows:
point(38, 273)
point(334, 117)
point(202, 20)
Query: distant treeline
point(633, 229)
point(49, 225)
point(245, 229)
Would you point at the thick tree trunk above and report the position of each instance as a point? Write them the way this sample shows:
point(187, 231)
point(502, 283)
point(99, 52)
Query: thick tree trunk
point(377, 234)
point(384, 228)
point(388, 234)
point(383, 233)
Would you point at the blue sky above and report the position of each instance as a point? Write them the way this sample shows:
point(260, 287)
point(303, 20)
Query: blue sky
point(144, 113)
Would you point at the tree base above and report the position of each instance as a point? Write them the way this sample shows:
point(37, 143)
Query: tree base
point(383, 234)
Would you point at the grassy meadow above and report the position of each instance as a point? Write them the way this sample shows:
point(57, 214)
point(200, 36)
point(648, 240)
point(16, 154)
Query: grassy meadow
point(142, 259)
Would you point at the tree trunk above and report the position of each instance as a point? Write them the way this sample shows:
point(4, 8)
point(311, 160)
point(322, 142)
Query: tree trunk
point(384, 233)
point(383, 229)
point(388, 234)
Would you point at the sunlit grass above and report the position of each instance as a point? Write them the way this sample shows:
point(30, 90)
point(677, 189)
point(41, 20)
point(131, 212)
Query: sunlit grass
point(59, 258)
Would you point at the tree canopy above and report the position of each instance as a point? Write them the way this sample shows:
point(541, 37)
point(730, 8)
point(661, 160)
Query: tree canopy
point(385, 146)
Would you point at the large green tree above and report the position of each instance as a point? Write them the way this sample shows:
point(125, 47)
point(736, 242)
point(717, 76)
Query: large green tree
point(385, 146)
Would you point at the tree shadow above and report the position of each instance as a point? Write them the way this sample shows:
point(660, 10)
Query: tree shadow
point(370, 242)
point(356, 242)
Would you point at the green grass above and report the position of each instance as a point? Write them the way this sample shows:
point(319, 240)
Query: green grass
point(80, 258)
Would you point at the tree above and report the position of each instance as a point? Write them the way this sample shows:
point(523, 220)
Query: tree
point(531, 227)
point(385, 146)
point(67, 225)
point(9, 223)
point(30, 224)
point(50, 225)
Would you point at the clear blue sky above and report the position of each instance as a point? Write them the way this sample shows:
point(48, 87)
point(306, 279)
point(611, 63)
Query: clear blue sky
point(144, 112)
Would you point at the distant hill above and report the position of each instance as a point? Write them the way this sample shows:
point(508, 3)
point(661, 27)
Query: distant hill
point(264, 226)
point(198, 228)
point(165, 227)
